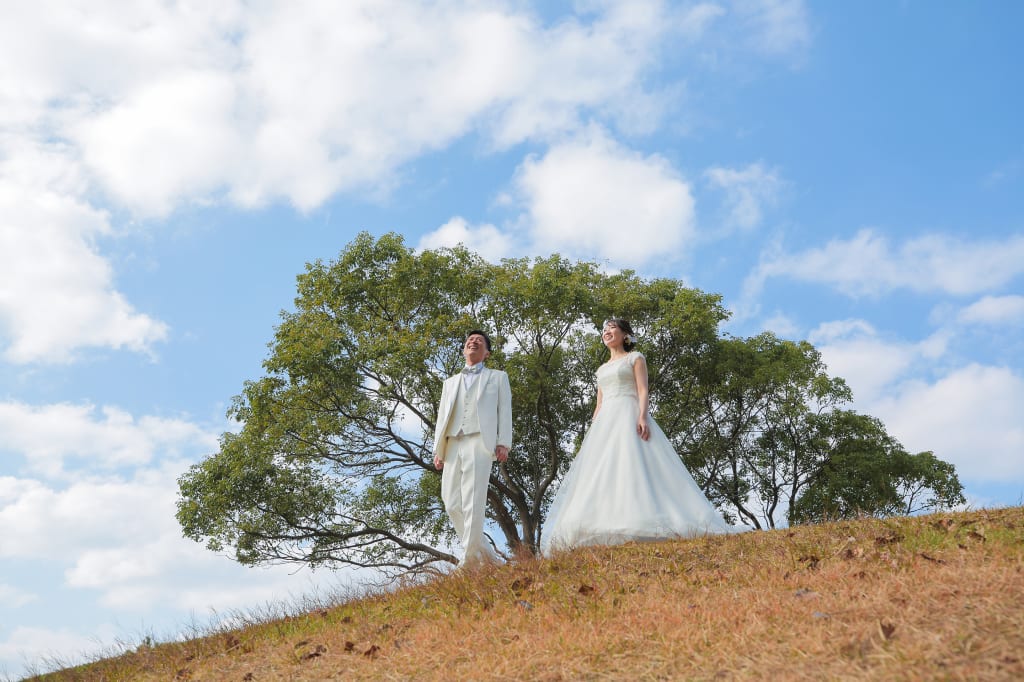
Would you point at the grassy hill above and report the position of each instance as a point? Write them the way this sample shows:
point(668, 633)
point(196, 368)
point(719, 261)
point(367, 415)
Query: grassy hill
point(931, 597)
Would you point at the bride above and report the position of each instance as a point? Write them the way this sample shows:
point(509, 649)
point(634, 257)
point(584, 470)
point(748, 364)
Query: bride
point(626, 482)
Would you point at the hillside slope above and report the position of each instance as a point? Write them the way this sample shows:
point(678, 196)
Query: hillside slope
point(932, 597)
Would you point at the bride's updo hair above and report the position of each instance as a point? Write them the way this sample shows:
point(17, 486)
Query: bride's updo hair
point(629, 343)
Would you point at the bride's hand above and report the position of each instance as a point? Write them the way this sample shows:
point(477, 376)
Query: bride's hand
point(642, 429)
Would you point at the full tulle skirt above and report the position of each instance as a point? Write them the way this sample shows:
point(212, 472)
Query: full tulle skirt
point(620, 488)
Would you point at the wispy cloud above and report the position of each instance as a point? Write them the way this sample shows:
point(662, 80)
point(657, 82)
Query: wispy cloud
point(994, 311)
point(775, 27)
point(12, 597)
point(869, 265)
point(34, 645)
point(748, 192)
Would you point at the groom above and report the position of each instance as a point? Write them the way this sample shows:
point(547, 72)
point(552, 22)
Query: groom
point(474, 427)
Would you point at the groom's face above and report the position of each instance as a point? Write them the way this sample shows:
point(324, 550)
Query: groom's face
point(475, 349)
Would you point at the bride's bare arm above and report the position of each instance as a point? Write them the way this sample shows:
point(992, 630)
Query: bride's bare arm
point(640, 374)
point(597, 408)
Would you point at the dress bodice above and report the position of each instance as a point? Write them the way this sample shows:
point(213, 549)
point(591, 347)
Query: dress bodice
point(616, 377)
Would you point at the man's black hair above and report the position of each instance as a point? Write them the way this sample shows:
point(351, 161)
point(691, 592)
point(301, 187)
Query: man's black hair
point(487, 339)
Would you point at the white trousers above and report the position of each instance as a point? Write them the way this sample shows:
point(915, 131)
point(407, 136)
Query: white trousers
point(464, 480)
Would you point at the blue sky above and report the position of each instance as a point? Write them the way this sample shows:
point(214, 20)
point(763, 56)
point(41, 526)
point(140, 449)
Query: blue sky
point(847, 173)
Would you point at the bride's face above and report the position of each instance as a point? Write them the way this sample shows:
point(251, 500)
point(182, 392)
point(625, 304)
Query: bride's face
point(612, 336)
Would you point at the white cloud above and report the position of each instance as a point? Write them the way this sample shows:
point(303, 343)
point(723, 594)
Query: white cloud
point(871, 364)
point(103, 438)
point(838, 330)
point(302, 102)
point(56, 292)
point(119, 544)
point(43, 522)
point(594, 198)
point(168, 142)
point(38, 647)
point(748, 191)
point(116, 533)
point(994, 310)
point(782, 326)
point(695, 20)
point(155, 105)
point(169, 571)
point(775, 27)
point(120, 537)
point(868, 265)
point(486, 240)
point(12, 597)
point(970, 417)
point(106, 48)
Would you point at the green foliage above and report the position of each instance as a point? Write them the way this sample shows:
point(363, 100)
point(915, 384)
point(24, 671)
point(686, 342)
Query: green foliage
point(333, 462)
point(865, 472)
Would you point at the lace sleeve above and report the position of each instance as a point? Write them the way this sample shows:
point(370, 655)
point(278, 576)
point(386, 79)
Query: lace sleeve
point(633, 356)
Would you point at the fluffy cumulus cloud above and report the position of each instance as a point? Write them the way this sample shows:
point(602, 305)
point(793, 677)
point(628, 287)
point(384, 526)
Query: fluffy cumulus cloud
point(869, 265)
point(46, 522)
point(104, 438)
point(112, 534)
point(156, 105)
point(118, 546)
point(169, 571)
point(592, 197)
point(169, 141)
point(167, 103)
point(868, 361)
point(970, 417)
point(57, 292)
point(967, 414)
point(486, 240)
point(118, 536)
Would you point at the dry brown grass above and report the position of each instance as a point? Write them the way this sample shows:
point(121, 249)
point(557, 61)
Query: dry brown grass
point(934, 597)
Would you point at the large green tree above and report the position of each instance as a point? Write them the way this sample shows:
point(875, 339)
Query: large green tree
point(332, 463)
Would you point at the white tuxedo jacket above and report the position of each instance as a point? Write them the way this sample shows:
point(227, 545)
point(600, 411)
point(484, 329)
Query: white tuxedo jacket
point(494, 406)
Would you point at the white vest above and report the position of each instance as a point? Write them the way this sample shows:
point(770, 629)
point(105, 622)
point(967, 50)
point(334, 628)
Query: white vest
point(465, 419)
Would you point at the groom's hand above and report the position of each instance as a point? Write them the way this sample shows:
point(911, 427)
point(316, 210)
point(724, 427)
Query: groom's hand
point(501, 453)
point(438, 463)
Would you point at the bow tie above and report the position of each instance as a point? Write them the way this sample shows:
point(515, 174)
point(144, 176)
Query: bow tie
point(475, 369)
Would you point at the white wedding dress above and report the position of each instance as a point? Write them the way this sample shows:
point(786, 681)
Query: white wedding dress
point(620, 487)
